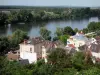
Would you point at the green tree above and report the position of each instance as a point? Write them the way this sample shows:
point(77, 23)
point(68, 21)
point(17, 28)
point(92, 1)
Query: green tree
point(17, 37)
point(94, 26)
point(11, 67)
point(67, 71)
point(64, 38)
point(85, 30)
point(45, 33)
point(3, 18)
point(76, 30)
point(68, 31)
point(59, 31)
point(59, 58)
point(4, 45)
point(90, 71)
point(78, 60)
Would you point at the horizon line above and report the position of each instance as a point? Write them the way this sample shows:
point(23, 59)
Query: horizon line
point(50, 6)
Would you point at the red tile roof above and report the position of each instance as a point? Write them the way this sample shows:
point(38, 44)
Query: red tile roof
point(71, 45)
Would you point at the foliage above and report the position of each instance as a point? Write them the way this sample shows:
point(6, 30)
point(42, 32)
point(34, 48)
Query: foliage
point(59, 58)
point(78, 60)
point(85, 30)
point(45, 14)
point(3, 18)
point(10, 67)
point(91, 71)
point(45, 33)
point(4, 44)
point(59, 32)
point(17, 37)
point(59, 63)
point(55, 38)
point(67, 71)
point(68, 31)
point(64, 38)
point(76, 30)
point(94, 26)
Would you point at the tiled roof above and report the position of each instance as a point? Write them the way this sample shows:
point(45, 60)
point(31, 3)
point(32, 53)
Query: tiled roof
point(71, 45)
point(12, 56)
point(95, 46)
point(47, 44)
point(36, 40)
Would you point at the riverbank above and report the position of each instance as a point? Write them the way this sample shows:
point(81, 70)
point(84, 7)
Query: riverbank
point(33, 28)
point(46, 14)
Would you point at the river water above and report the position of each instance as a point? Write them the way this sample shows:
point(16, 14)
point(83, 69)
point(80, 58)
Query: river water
point(33, 28)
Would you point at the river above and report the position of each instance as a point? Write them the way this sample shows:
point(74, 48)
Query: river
point(33, 28)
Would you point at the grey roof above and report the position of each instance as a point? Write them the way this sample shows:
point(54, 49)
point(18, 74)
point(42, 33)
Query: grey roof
point(24, 62)
point(36, 40)
point(81, 37)
point(95, 47)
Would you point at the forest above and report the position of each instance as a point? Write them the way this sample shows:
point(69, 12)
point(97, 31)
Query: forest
point(46, 14)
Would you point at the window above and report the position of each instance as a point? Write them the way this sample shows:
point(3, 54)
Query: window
point(31, 50)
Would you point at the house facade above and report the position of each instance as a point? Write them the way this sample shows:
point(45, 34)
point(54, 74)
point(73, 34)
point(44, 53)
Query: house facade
point(77, 40)
point(35, 49)
point(94, 49)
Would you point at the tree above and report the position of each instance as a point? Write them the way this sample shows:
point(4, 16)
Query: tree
point(17, 37)
point(3, 18)
point(76, 30)
point(94, 26)
point(45, 33)
point(40, 68)
point(85, 30)
point(67, 71)
point(59, 31)
point(68, 31)
point(59, 58)
point(4, 44)
point(64, 38)
point(11, 67)
point(90, 71)
point(78, 60)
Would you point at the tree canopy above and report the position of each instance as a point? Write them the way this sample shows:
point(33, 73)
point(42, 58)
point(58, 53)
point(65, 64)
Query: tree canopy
point(45, 33)
point(68, 31)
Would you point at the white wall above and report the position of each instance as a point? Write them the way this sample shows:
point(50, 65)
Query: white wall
point(32, 57)
point(25, 52)
point(77, 43)
point(44, 55)
point(26, 48)
point(97, 55)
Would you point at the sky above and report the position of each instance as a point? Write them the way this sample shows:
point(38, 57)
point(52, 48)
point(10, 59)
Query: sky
point(87, 3)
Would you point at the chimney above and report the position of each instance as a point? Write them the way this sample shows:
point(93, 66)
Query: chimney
point(25, 41)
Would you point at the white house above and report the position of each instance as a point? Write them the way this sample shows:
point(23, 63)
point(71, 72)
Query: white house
point(35, 49)
point(77, 40)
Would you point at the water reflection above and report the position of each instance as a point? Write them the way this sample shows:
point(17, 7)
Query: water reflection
point(33, 28)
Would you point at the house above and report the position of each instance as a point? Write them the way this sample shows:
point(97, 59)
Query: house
point(35, 49)
point(13, 55)
point(94, 48)
point(77, 40)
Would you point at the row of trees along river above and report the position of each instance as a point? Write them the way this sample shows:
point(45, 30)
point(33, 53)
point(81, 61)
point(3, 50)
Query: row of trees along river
point(51, 18)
